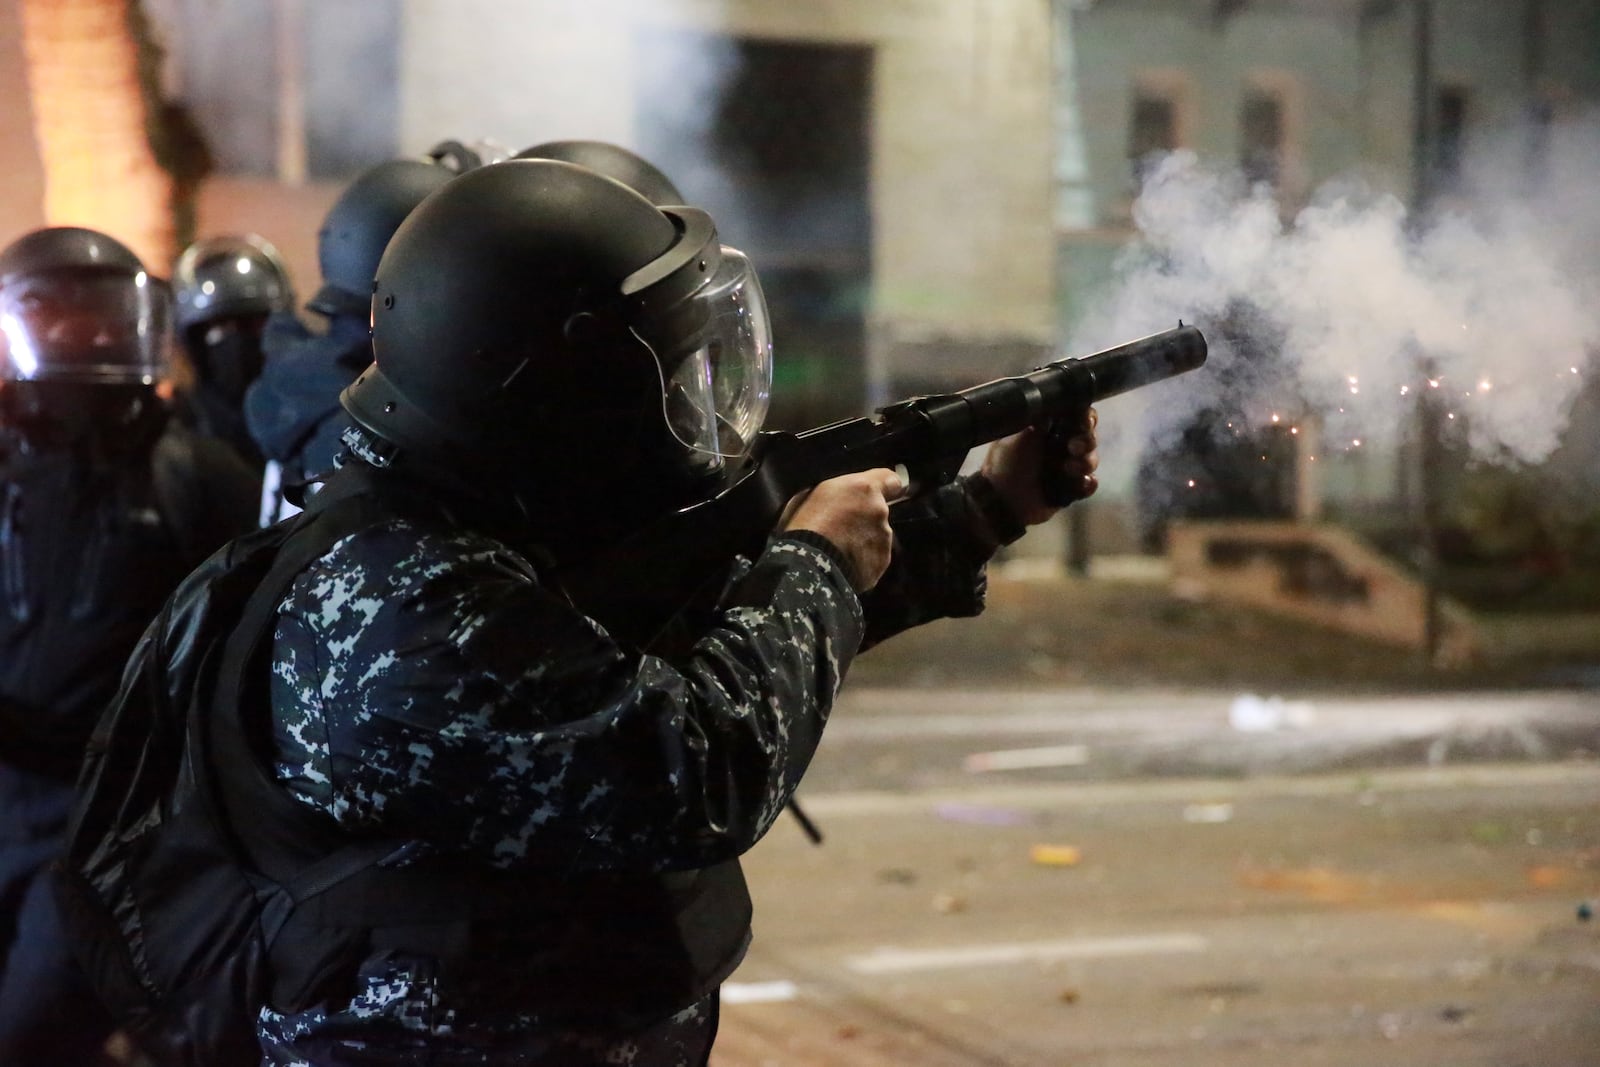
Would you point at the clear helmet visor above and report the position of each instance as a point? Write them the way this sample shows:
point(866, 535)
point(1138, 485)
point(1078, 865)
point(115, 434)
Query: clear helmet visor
point(97, 327)
point(716, 396)
point(222, 277)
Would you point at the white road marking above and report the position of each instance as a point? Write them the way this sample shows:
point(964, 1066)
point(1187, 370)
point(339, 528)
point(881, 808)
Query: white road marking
point(1015, 759)
point(759, 992)
point(1183, 791)
point(872, 714)
point(901, 961)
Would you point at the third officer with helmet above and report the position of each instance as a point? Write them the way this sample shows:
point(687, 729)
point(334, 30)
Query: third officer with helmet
point(105, 504)
point(292, 410)
point(225, 289)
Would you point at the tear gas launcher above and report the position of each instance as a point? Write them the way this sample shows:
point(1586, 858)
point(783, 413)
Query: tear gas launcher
point(637, 586)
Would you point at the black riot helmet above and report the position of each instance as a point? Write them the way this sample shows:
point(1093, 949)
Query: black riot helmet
point(359, 225)
point(78, 306)
point(462, 156)
point(229, 277)
point(83, 340)
point(614, 161)
point(549, 336)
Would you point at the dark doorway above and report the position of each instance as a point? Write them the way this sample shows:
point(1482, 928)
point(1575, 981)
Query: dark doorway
point(773, 138)
point(1261, 137)
point(1152, 133)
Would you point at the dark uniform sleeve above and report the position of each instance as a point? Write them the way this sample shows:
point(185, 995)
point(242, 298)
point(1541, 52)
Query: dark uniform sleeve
point(292, 410)
point(427, 685)
point(209, 494)
point(943, 543)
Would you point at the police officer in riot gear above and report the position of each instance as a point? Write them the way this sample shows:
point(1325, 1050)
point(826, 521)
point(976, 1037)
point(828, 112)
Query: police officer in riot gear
point(557, 361)
point(292, 410)
point(105, 505)
point(224, 290)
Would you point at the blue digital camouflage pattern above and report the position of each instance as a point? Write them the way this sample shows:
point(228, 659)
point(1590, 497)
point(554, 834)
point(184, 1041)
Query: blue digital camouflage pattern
point(397, 1019)
point(427, 685)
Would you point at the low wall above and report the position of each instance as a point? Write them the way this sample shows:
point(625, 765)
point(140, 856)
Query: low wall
point(1318, 574)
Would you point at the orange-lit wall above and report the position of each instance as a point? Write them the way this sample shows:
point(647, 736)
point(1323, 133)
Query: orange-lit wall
point(21, 177)
point(90, 117)
point(286, 216)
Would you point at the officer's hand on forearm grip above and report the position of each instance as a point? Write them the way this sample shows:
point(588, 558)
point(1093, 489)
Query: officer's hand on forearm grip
point(852, 512)
point(1038, 471)
point(1070, 458)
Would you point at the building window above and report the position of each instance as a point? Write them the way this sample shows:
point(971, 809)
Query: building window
point(1261, 137)
point(1450, 114)
point(1153, 131)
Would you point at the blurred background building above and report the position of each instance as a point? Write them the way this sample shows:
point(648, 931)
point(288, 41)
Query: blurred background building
point(1295, 94)
point(934, 191)
point(887, 165)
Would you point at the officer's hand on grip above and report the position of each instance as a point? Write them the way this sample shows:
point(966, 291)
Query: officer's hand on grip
point(852, 512)
point(1039, 471)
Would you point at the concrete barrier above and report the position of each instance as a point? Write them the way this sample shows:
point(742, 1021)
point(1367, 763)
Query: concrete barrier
point(1319, 574)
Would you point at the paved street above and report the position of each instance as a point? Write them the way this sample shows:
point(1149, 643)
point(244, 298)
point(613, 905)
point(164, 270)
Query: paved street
point(1141, 878)
point(892, 738)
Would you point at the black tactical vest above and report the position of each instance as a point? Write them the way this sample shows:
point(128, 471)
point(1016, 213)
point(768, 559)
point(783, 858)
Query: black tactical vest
point(91, 543)
point(613, 950)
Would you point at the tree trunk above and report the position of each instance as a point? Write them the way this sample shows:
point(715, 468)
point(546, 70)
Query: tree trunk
point(117, 157)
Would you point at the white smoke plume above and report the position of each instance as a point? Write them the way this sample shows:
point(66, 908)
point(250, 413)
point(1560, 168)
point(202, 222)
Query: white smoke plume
point(1498, 290)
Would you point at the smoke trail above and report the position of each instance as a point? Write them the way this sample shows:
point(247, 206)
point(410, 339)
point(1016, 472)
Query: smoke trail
point(1498, 291)
point(683, 77)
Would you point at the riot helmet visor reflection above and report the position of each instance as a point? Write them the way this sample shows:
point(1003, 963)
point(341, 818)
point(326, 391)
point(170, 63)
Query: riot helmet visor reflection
point(229, 277)
point(97, 326)
point(716, 390)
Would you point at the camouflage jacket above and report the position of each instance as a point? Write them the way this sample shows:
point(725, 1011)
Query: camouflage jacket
point(428, 684)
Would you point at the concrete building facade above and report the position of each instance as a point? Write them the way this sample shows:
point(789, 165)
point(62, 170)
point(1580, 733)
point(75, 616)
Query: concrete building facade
point(985, 188)
point(1297, 93)
point(958, 120)
point(947, 258)
point(1340, 76)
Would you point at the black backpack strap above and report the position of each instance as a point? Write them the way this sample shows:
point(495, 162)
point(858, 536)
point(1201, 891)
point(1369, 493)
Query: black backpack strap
point(313, 880)
point(291, 844)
